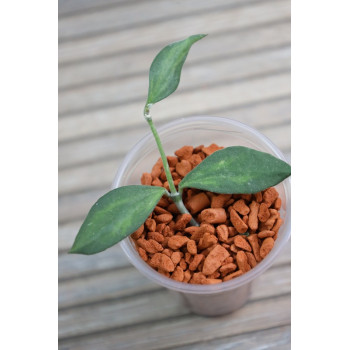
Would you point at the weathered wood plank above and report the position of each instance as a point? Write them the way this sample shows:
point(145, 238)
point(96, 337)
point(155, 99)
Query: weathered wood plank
point(112, 284)
point(107, 146)
point(171, 30)
point(205, 74)
point(73, 7)
point(254, 316)
point(101, 174)
point(153, 306)
point(76, 266)
point(137, 14)
point(228, 44)
point(202, 101)
point(277, 338)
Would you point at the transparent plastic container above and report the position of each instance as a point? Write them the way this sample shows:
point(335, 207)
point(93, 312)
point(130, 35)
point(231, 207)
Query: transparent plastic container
point(226, 297)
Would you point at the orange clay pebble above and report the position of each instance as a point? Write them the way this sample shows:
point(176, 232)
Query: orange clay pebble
point(241, 207)
point(237, 222)
point(184, 152)
point(266, 246)
point(150, 224)
point(214, 259)
point(167, 252)
point(277, 225)
point(182, 221)
point(164, 218)
point(166, 264)
point(258, 197)
point(191, 247)
point(251, 259)
point(183, 168)
point(233, 275)
point(198, 278)
point(159, 210)
point(156, 236)
point(266, 233)
point(176, 257)
point(207, 227)
point(269, 196)
point(188, 258)
point(278, 203)
point(195, 160)
point(187, 276)
point(242, 261)
point(198, 202)
point(176, 242)
point(137, 234)
point(264, 212)
point(254, 242)
point(143, 254)
point(207, 240)
point(211, 149)
point(178, 274)
point(222, 232)
point(253, 216)
point(172, 161)
point(227, 268)
point(220, 200)
point(183, 264)
point(150, 246)
point(212, 281)
point(196, 261)
point(240, 242)
point(214, 215)
point(146, 179)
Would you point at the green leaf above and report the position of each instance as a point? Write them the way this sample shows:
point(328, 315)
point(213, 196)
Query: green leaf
point(165, 71)
point(115, 215)
point(237, 169)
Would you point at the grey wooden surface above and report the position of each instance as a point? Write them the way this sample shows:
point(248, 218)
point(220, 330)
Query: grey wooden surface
point(240, 71)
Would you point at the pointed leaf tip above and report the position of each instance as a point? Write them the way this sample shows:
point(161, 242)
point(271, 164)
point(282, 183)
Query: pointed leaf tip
point(165, 71)
point(114, 216)
point(237, 169)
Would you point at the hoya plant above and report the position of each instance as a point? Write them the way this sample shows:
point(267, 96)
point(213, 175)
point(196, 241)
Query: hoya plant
point(231, 170)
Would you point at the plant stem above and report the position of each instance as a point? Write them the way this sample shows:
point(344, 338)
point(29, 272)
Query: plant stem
point(174, 195)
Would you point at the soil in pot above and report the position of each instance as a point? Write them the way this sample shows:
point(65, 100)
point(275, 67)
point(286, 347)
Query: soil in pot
point(236, 231)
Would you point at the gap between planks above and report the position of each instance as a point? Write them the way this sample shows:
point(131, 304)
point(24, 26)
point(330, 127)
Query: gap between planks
point(234, 44)
point(105, 146)
point(140, 15)
point(274, 338)
point(153, 305)
point(134, 40)
point(254, 316)
point(99, 175)
point(222, 71)
point(85, 287)
point(197, 102)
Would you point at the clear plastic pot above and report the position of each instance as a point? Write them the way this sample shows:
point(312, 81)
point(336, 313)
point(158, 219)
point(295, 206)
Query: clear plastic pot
point(228, 296)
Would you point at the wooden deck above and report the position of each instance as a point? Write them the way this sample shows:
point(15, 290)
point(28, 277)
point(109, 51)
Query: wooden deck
point(240, 71)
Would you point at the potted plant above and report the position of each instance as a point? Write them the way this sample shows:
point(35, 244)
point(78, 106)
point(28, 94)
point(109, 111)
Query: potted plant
point(206, 221)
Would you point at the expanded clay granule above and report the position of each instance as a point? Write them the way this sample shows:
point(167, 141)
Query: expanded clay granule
point(236, 231)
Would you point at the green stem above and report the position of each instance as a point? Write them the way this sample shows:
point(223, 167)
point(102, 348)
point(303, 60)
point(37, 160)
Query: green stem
point(174, 195)
point(164, 159)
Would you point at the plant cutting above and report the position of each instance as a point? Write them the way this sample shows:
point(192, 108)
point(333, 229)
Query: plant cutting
point(215, 221)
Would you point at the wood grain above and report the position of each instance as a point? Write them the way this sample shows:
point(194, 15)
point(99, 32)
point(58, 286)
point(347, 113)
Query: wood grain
point(115, 144)
point(254, 316)
point(226, 44)
point(199, 102)
point(159, 34)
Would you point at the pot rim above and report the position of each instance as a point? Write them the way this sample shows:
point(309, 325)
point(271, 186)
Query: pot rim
point(133, 256)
